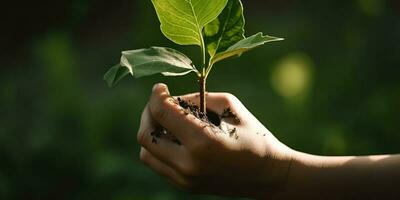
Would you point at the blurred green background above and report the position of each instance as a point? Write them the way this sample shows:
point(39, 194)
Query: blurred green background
point(332, 87)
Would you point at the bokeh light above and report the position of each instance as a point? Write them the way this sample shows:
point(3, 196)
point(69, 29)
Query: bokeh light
point(292, 76)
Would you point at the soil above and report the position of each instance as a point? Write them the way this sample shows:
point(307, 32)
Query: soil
point(211, 119)
point(228, 114)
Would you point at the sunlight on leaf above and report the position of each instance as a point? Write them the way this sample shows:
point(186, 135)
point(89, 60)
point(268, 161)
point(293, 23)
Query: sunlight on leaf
point(182, 21)
point(227, 29)
point(244, 46)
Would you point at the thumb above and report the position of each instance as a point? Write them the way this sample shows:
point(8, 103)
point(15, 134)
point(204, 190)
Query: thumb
point(160, 89)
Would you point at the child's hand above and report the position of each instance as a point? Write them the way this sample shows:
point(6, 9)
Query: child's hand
point(241, 159)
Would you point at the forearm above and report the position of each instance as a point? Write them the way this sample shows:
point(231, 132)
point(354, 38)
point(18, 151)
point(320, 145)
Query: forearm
point(363, 177)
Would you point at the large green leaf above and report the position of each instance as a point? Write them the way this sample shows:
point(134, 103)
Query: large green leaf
point(226, 30)
point(182, 21)
point(243, 46)
point(145, 62)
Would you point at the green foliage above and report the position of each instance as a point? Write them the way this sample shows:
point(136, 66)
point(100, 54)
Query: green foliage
point(225, 30)
point(144, 62)
point(182, 21)
point(215, 25)
point(243, 46)
point(115, 74)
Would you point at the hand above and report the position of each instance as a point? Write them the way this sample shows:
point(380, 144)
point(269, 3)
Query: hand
point(236, 159)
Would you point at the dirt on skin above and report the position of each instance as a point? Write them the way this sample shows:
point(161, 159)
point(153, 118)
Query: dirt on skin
point(210, 119)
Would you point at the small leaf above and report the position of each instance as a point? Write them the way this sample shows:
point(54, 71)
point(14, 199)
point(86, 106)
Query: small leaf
point(226, 30)
point(243, 46)
point(115, 74)
point(182, 21)
point(145, 62)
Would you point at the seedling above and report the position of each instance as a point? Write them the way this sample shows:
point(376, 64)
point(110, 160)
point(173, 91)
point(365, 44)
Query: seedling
point(216, 26)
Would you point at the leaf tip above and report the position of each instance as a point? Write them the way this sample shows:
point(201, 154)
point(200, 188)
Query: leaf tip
point(107, 78)
point(115, 74)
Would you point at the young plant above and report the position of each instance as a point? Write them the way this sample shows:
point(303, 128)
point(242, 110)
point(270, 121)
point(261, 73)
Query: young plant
point(216, 26)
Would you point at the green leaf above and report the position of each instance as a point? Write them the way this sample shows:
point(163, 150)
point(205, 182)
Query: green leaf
point(115, 74)
point(226, 30)
point(145, 62)
point(182, 21)
point(243, 46)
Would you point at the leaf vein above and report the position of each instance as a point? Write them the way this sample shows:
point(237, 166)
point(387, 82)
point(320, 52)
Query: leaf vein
point(177, 25)
point(179, 10)
point(180, 35)
point(177, 16)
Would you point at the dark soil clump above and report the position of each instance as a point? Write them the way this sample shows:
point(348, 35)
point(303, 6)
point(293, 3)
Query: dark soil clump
point(190, 108)
point(212, 118)
point(230, 115)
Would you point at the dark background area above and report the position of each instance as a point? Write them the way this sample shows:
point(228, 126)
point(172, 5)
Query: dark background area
point(331, 88)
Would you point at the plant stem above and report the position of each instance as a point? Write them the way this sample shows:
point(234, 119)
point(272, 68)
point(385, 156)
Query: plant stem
point(202, 78)
point(208, 70)
point(203, 104)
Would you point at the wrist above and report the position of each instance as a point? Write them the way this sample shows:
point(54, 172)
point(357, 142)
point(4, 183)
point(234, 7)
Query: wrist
point(276, 171)
point(313, 176)
point(299, 175)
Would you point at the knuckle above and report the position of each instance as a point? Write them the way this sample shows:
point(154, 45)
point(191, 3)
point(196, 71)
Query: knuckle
point(159, 87)
point(199, 147)
point(189, 170)
point(205, 145)
point(142, 136)
point(229, 98)
point(143, 156)
point(159, 111)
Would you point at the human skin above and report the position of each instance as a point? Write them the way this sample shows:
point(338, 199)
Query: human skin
point(254, 164)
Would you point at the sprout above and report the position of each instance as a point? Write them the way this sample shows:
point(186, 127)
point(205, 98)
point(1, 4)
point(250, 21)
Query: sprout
point(216, 26)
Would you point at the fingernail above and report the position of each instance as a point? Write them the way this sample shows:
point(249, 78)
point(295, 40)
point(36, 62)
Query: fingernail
point(160, 87)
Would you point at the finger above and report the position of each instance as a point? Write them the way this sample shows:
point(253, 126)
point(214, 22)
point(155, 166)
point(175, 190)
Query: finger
point(171, 116)
point(216, 102)
point(160, 168)
point(163, 148)
point(226, 105)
